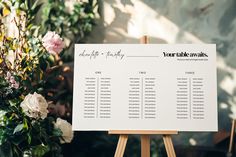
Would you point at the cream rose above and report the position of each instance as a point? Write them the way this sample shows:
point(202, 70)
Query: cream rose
point(66, 128)
point(35, 106)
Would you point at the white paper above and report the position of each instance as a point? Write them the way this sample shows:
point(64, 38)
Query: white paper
point(145, 87)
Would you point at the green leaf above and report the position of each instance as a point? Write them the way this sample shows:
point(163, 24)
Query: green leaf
point(50, 59)
point(29, 139)
point(36, 9)
point(25, 124)
point(2, 136)
point(40, 150)
point(13, 102)
point(6, 150)
point(57, 132)
point(35, 4)
point(18, 128)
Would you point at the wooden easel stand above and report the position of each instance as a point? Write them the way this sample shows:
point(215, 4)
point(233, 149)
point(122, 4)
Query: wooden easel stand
point(145, 141)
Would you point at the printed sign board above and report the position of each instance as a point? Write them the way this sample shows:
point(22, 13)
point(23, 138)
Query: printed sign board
point(145, 87)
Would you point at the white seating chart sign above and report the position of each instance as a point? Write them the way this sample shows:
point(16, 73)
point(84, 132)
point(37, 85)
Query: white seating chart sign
point(145, 87)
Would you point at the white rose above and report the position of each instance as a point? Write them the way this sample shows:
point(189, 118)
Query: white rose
point(66, 128)
point(35, 106)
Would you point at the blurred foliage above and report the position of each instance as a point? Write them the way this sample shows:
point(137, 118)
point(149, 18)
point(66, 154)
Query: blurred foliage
point(73, 23)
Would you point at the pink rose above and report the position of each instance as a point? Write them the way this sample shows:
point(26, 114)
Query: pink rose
point(15, 85)
point(12, 81)
point(53, 42)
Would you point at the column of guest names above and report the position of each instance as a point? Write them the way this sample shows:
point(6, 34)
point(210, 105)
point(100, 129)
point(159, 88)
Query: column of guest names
point(142, 98)
point(190, 98)
point(97, 97)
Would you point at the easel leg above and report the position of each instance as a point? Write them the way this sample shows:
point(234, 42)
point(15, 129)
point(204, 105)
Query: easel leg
point(145, 146)
point(232, 138)
point(169, 146)
point(120, 149)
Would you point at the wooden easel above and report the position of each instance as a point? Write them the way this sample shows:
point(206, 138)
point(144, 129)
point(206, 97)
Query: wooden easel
point(232, 137)
point(145, 135)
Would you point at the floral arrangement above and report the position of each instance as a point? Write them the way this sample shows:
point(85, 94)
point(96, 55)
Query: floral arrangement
point(26, 59)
